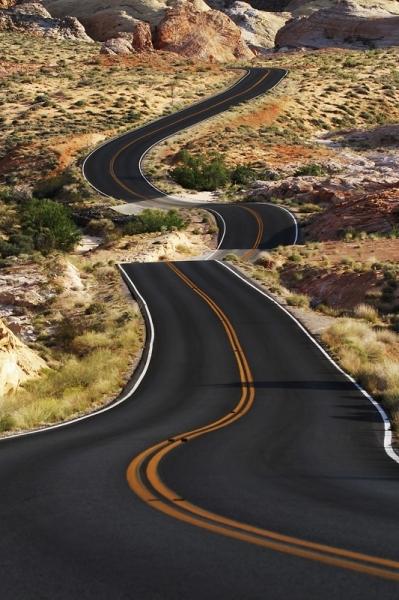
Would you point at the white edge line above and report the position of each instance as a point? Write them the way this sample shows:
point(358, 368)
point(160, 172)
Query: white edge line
point(150, 333)
point(126, 133)
point(212, 210)
point(143, 156)
point(387, 424)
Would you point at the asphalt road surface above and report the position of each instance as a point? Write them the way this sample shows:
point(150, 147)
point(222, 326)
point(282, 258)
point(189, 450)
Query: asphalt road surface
point(245, 465)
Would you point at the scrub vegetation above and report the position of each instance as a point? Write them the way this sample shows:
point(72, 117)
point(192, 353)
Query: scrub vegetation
point(371, 355)
point(90, 337)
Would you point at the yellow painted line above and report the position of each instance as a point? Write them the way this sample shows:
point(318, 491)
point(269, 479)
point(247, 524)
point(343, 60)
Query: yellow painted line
point(259, 237)
point(119, 152)
point(155, 492)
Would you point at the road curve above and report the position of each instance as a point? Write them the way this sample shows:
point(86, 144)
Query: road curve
point(258, 469)
point(114, 169)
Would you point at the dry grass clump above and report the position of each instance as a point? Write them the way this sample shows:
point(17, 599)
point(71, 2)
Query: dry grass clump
point(80, 384)
point(91, 337)
point(371, 356)
point(366, 312)
point(300, 300)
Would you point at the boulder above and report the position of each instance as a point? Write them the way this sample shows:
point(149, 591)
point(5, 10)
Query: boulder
point(346, 25)
point(118, 46)
point(205, 35)
point(258, 27)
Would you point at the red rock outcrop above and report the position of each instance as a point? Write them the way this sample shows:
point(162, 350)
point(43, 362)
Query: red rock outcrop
point(345, 25)
point(206, 35)
point(377, 212)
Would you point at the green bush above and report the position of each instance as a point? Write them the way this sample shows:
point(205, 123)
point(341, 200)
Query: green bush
point(17, 244)
point(49, 225)
point(242, 174)
point(203, 173)
point(151, 220)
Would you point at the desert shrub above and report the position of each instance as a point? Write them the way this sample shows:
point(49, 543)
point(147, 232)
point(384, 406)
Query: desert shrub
point(203, 173)
point(300, 300)
point(151, 220)
point(366, 312)
point(369, 355)
point(48, 188)
point(312, 169)
point(50, 226)
point(242, 174)
point(17, 243)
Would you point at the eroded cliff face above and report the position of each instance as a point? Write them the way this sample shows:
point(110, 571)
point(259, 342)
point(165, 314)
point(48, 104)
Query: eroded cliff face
point(345, 25)
point(202, 34)
point(18, 363)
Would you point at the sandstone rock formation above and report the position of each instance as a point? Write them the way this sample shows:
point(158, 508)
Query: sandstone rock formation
point(345, 25)
point(258, 27)
point(307, 7)
point(18, 362)
point(34, 19)
point(207, 35)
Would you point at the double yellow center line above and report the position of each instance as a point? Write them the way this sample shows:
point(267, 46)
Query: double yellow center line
point(143, 478)
point(259, 236)
point(163, 127)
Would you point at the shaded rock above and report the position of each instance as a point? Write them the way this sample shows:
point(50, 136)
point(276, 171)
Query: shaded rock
point(206, 35)
point(344, 25)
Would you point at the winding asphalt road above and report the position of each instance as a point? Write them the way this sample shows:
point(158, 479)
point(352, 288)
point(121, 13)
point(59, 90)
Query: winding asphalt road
point(240, 463)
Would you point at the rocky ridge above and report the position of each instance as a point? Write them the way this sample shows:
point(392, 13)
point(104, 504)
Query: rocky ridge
point(344, 25)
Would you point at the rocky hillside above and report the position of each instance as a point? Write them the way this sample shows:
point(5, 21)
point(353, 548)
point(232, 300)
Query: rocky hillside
point(345, 25)
point(34, 19)
point(18, 363)
point(189, 26)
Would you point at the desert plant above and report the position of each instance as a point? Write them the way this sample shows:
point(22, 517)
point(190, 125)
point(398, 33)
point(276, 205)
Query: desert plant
point(50, 226)
point(151, 220)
